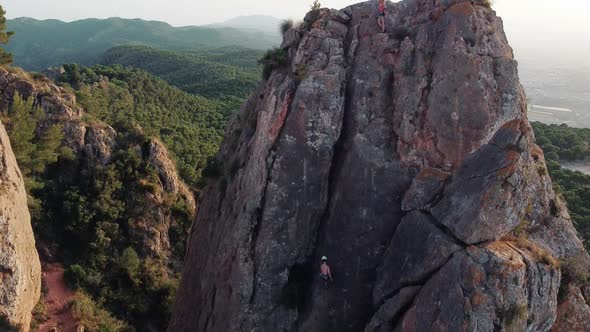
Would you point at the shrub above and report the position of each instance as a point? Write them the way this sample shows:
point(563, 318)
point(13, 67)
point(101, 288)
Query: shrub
point(148, 187)
point(275, 58)
point(315, 6)
point(92, 316)
point(129, 262)
point(521, 228)
point(286, 25)
point(39, 314)
point(75, 276)
point(541, 255)
point(312, 15)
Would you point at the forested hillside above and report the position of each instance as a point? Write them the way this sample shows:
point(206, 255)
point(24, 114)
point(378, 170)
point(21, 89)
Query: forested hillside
point(220, 73)
point(190, 126)
point(41, 44)
point(104, 196)
point(565, 144)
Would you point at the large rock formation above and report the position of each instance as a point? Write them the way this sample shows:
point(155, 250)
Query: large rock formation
point(407, 158)
point(20, 270)
point(94, 139)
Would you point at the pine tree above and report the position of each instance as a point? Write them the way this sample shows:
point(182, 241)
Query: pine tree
point(22, 123)
point(33, 153)
point(5, 57)
point(47, 150)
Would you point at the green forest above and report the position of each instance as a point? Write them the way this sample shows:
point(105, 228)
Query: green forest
point(90, 213)
point(38, 45)
point(561, 144)
point(227, 73)
point(87, 212)
point(190, 126)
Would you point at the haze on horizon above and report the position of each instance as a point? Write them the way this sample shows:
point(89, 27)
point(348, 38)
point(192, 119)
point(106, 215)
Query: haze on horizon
point(539, 30)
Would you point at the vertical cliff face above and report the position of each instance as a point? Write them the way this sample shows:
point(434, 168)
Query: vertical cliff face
point(20, 270)
point(405, 157)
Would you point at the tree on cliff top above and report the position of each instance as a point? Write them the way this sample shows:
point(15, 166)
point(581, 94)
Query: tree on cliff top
point(5, 57)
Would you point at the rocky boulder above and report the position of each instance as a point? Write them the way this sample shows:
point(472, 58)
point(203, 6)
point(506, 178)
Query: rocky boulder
point(20, 270)
point(407, 158)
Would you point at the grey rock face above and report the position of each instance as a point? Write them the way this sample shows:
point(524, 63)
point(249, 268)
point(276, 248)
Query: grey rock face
point(20, 269)
point(386, 315)
point(482, 288)
point(405, 157)
point(417, 250)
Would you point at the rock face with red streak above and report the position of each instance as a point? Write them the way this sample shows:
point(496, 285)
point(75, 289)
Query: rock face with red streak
point(407, 158)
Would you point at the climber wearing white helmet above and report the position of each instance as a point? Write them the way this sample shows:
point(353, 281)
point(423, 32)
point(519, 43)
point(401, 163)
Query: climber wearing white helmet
point(325, 272)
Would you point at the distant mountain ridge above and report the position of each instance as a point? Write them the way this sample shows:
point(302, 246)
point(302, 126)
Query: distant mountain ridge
point(264, 23)
point(38, 44)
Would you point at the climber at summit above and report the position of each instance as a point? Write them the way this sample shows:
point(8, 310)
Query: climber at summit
point(325, 272)
point(381, 15)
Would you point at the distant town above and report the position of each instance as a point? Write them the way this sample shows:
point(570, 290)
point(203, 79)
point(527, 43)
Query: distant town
point(557, 95)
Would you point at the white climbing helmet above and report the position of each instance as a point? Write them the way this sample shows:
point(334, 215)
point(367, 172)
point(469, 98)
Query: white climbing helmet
point(324, 258)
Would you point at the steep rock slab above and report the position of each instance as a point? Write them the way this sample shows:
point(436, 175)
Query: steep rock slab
point(20, 270)
point(364, 142)
point(418, 249)
point(385, 317)
point(498, 286)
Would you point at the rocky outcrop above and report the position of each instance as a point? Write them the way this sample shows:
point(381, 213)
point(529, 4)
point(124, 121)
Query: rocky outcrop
point(150, 229)
point(95, 142)
point(407, 158)
point(20, 270)
point(94, 139)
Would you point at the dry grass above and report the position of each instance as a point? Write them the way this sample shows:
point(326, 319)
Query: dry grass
point(93, 317)
point(540, 254)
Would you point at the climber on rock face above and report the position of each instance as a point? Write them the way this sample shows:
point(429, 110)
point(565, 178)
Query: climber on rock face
point(325, 272)
point(381, 15)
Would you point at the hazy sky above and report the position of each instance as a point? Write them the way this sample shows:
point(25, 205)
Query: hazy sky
point(545, 27)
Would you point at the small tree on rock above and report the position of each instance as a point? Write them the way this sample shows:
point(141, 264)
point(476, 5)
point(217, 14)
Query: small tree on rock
point(5, 57)
point(316, 5)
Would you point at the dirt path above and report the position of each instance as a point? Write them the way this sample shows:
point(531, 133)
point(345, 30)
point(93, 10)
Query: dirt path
point(57, 300)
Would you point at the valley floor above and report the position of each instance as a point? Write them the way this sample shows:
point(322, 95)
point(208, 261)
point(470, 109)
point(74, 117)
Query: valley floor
point(580, 166)
point(57, 300)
